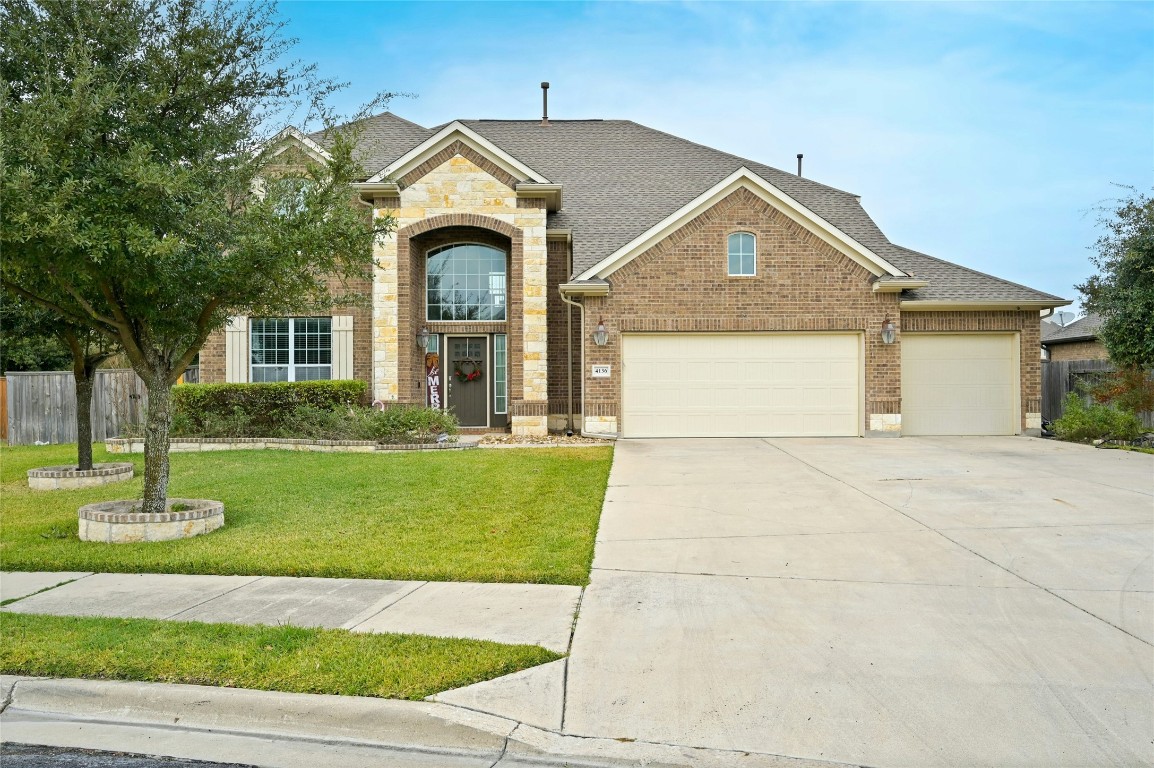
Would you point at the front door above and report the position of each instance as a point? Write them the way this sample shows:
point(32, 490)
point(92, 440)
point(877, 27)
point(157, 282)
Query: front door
point(467, 380)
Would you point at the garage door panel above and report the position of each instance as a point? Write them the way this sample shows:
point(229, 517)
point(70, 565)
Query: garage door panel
point(738, 385)
point(959, 384)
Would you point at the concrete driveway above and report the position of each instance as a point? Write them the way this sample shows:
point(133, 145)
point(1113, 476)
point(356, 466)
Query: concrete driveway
point(913, 602)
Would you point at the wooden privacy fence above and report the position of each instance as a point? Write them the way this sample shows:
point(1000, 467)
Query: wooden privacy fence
point(1059, 378)
point(3, 408)
point(42, 405)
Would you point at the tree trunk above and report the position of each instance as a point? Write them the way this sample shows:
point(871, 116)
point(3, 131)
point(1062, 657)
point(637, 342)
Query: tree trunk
point(156, 430)
point(84, 384)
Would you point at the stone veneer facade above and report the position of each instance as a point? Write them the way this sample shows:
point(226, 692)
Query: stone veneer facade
point(457, 188)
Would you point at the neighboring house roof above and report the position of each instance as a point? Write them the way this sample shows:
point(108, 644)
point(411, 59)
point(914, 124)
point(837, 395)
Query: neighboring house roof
point(1082, 329)
point(621, 179)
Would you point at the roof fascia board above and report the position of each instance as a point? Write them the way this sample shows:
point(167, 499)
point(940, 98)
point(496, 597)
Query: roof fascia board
point(929, 305)
point(369, 191)
point(576, 288)
point(291, 134)
point(898, 284)
point(456, 131)
point(551, 193)
point(743, 177)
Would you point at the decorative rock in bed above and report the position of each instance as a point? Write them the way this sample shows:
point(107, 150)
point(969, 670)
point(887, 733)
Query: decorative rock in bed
point(121, 522)
point(68, 477)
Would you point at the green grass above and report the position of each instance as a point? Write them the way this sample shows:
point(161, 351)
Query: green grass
point(265, 658)
point(505, 515)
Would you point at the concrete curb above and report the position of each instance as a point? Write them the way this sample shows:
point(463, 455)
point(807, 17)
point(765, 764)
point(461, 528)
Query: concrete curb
point(284, 729)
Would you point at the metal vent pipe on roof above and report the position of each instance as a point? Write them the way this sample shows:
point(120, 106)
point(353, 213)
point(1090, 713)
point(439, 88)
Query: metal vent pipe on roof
point(799, 157)
point(544, 103)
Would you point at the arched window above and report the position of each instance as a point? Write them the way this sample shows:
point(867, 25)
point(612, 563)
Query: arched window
point(465, 281)
point(742, 254)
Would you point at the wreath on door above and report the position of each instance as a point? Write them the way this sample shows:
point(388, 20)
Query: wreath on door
point(467, 370)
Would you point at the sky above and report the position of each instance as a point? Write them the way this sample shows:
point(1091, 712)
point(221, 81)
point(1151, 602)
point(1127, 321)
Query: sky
point(992, 135)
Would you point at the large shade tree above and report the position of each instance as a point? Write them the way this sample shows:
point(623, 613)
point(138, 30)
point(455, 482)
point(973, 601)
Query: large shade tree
point(137, 138)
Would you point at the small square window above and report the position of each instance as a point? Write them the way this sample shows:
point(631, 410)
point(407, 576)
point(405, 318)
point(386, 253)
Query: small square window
point(742, 254)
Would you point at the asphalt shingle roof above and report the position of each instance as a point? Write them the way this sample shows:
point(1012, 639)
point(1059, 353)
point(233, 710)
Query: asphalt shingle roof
point(952, 282)
point(1082, 329)
point(621, 178)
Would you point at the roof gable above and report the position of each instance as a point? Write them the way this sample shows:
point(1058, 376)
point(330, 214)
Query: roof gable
point(457, 132)
point(290, 138)
point(742, 178)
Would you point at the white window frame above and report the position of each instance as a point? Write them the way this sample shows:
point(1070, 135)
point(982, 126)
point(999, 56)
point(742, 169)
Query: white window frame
point(504, 292)
point(292, 365)
point(729, 241)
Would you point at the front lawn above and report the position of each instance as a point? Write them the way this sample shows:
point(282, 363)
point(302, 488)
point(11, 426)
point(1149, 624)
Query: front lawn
point(265, 658)
point(507, 515)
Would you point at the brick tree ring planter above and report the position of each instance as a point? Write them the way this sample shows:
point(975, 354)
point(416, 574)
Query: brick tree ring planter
point(117, 522)
point(68, 477)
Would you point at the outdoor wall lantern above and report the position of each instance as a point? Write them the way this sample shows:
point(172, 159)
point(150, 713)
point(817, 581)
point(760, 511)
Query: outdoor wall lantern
point(889, 332)
point(600, 336)
point(423, 339)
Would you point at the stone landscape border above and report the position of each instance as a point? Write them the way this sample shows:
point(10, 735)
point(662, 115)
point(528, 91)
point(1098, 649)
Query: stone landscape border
point(115, 522)
point(66, 477)
point(195, 444)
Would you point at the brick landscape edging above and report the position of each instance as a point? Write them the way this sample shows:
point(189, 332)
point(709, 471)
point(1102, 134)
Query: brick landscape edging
point(188, 445)
point(115, 522)
point(68, 477)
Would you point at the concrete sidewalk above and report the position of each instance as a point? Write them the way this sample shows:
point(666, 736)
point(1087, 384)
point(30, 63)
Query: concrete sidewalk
point(530, 614)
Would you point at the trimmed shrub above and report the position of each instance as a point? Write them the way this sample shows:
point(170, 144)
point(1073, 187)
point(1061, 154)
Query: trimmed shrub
point(402, 424)
point(255, 410)
point(1081, 422)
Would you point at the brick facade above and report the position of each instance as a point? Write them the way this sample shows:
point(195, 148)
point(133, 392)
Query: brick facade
point(802, 284)
point(212, 354)
point(1078, 350)
point(680, 284)
point(1027, 324)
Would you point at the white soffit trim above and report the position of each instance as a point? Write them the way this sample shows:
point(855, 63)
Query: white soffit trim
point(291, 134)
point(455, 131)
point(743, 177)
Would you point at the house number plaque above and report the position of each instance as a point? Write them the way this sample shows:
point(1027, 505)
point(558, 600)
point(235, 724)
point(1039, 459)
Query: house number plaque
point(601, 371)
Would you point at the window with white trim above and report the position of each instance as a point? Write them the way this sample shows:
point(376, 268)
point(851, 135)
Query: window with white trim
point(742, 254)
point(500, 374)
point(465, 281)
point(291, 349)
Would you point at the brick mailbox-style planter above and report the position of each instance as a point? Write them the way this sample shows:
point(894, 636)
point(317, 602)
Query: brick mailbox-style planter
point(68, 477)
point(117, 522)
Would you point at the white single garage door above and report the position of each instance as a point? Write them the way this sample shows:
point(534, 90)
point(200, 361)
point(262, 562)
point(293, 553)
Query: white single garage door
point(741, 385)
point(960, 384)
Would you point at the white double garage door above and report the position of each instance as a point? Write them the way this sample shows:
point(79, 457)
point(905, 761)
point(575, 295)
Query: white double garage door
point(812, 384)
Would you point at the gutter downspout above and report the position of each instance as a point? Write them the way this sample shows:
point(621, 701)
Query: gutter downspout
point(569, 369)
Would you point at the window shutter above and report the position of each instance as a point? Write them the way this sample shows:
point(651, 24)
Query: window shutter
point(342, 346)
point(236, 350)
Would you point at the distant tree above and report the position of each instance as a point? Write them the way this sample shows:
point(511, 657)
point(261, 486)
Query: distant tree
point(75, 347)
point(1123, 294)
point(25, 343)
point(1123, 290)
point(134, 156)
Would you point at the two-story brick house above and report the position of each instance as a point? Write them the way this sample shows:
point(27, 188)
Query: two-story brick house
point(643, 285)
